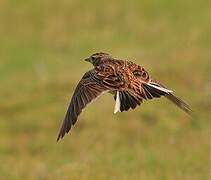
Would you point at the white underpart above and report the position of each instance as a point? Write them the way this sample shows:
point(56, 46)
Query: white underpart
point(118, 103)
point(160, 88)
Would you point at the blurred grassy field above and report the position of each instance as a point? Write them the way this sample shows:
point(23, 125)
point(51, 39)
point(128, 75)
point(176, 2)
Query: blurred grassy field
point(43, 44)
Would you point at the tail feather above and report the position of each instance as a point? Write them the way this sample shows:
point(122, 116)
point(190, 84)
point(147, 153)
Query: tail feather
point(118, 103)
point(158, 87)
point(157, 90)
point(179, 103)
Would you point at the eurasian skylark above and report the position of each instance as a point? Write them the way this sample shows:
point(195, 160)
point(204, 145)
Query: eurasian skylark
point(128, 82)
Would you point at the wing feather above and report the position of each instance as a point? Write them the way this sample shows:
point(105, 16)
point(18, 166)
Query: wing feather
point(131, 98)
point(128, 100)
point(87, 90)
point(157, 90)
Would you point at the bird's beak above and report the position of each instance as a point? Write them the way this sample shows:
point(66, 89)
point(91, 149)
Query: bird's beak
point(87, 59)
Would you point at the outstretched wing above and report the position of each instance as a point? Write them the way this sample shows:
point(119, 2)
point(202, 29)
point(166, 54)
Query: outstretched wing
point(156, 88)
point(143, 89)
point(86, 91)
point(126, 100)
point(132, 99)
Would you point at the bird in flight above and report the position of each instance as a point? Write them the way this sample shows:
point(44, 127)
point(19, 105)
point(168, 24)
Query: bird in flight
point(129, 83)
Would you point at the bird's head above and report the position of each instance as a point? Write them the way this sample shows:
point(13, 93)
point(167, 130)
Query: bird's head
point(97, 58)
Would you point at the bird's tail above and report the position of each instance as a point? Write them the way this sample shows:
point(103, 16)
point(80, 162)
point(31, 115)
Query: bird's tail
point(179, 103)
point(157, 88)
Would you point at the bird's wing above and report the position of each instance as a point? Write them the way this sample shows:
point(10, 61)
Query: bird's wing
point(146, 88)
point(132, 98)
point(141, 88)
point(126, 100)
point(156, 88)
point(86, 91)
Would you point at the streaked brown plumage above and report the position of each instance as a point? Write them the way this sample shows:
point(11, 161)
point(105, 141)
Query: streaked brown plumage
point(130, 84)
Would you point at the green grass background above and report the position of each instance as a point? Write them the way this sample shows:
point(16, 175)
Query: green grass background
point(43, 44)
